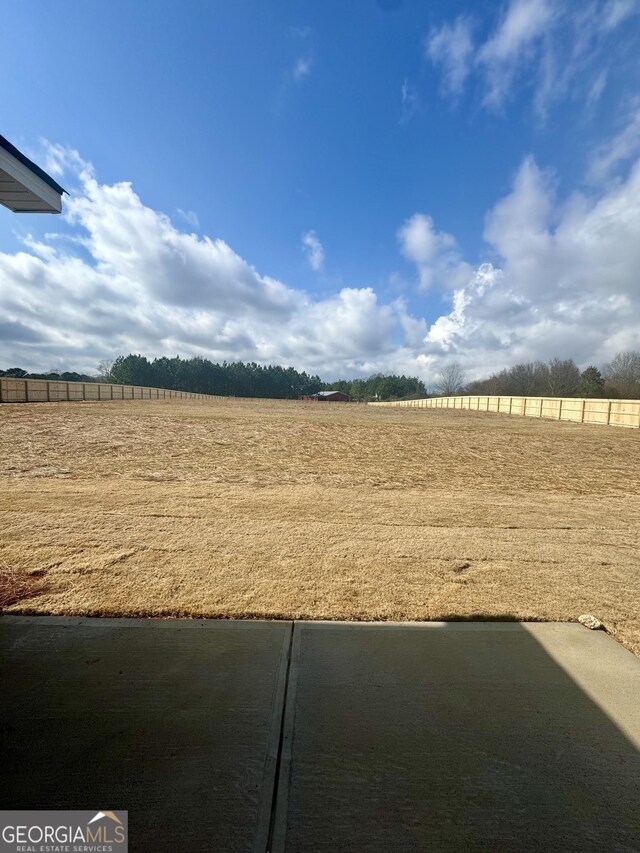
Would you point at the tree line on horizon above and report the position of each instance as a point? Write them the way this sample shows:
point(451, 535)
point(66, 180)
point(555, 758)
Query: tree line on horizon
point(620, 378)
point(232, 379)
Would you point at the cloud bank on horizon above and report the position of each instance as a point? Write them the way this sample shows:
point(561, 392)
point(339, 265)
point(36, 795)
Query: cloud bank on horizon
point(564, 280)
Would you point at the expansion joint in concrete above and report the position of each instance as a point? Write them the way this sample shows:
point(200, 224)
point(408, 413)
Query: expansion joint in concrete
point(264, 841)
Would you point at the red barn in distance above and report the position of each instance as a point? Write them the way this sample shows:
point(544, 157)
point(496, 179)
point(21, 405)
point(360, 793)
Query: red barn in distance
point(328, 397)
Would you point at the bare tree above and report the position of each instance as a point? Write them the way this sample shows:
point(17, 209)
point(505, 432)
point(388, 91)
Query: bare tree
point(530, 378)
point(450, 380)
point(497, 383)
point(564, 377)
point(623, 375)
point(104, 369)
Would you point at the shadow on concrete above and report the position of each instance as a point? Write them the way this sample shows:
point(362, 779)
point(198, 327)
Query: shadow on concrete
point(176, 721)
point(465, 736)
point(415, 737)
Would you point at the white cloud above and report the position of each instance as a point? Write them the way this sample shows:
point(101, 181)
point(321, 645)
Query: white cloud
point(130, 241)
point(451, 47)
point(551, 49)
point(597, 88)
point(351, 327)
point(523, 22)
point(59, 159)
point(418, 239)
point(313, 249)
point(502, 56)
point(566, 283)
point(302, 68)
point(617, 11)
point(619, 150)
point(410, 102)
point(415, 329)
point(127, 280)
point(434, 253)
point(190, 217)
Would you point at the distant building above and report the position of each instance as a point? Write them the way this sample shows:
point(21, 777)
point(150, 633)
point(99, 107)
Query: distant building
point(329, 397)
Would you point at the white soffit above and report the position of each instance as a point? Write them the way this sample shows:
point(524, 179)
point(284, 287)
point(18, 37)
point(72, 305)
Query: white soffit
point(24, 186)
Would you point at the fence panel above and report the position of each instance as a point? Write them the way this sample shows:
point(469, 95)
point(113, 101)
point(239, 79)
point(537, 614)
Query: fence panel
point(14, 390)
point(624, 413)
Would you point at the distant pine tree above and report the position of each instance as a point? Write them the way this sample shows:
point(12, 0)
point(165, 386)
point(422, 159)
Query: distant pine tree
point(591, 383)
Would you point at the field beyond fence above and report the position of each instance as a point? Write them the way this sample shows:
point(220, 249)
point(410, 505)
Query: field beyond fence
point(624, 413)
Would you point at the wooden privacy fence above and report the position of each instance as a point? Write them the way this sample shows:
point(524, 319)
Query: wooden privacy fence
point(57, 391)
point(624, 413)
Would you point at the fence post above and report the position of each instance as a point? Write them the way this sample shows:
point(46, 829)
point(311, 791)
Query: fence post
point(48, 391)
point(560, 409)
point(26, 390)
point(1, 389)
point(584, 403)
point(609, 413)
point(111, 386)
point(84, 391)
point(68, 393)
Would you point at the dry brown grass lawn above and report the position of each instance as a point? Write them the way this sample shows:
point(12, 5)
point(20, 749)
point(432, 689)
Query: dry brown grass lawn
point(285, 509)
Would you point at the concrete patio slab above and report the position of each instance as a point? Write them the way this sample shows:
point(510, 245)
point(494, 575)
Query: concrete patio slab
point(313, 737)
point(458, 737)
point(177, 721)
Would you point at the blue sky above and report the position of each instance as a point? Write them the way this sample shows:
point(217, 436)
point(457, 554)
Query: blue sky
point(345, 187)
